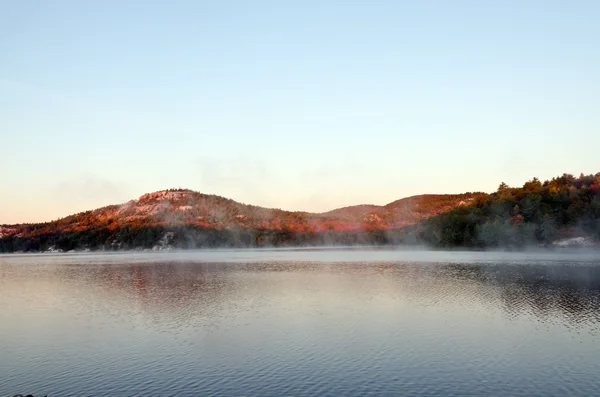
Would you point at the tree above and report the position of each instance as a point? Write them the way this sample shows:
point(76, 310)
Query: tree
point(533, 185)
point(503, 186)
point(549, 230)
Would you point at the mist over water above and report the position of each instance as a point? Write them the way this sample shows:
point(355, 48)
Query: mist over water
point(301, 322)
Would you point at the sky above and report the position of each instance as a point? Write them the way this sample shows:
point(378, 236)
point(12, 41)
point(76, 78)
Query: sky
point(300, 105)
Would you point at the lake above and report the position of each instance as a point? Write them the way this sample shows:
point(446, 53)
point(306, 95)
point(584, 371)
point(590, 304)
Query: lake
point(322, 322)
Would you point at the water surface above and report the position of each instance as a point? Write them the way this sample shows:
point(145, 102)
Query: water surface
point(300, 323)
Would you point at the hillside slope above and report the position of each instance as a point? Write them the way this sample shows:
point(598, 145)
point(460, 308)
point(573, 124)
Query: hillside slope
point(558, 212)
point(193, 219)
point(562, 211)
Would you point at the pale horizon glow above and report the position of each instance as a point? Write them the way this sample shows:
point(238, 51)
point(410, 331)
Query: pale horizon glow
point(305, 106)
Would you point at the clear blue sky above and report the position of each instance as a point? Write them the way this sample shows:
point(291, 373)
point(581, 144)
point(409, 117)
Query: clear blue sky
point(306, 105)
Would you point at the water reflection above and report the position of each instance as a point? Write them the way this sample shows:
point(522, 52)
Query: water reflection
point(268, 327)
point(565, 293)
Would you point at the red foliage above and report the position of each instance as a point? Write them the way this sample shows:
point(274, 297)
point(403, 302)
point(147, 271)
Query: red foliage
point(185, 207)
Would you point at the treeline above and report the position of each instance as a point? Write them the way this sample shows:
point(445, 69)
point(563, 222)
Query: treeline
point(189, 237)
point(537, 213)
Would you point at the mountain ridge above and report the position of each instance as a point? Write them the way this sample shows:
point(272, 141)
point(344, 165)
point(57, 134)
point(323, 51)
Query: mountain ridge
point(190, 219)
point(189, 206)
point(566, 207)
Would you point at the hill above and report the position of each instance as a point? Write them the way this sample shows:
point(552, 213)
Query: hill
point(189, 219)
point(558, 212)
point(564, 210)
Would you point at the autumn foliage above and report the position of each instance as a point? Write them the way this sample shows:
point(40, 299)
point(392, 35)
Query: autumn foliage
point(536, 213)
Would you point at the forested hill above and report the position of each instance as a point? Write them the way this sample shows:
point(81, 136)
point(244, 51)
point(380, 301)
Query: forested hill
point(187, 219)
point(538, 213)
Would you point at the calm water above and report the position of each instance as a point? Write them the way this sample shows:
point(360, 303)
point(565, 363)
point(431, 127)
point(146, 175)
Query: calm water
point(300, 323)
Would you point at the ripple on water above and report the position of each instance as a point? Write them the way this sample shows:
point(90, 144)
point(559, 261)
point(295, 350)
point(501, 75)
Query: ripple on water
point(510, 325)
